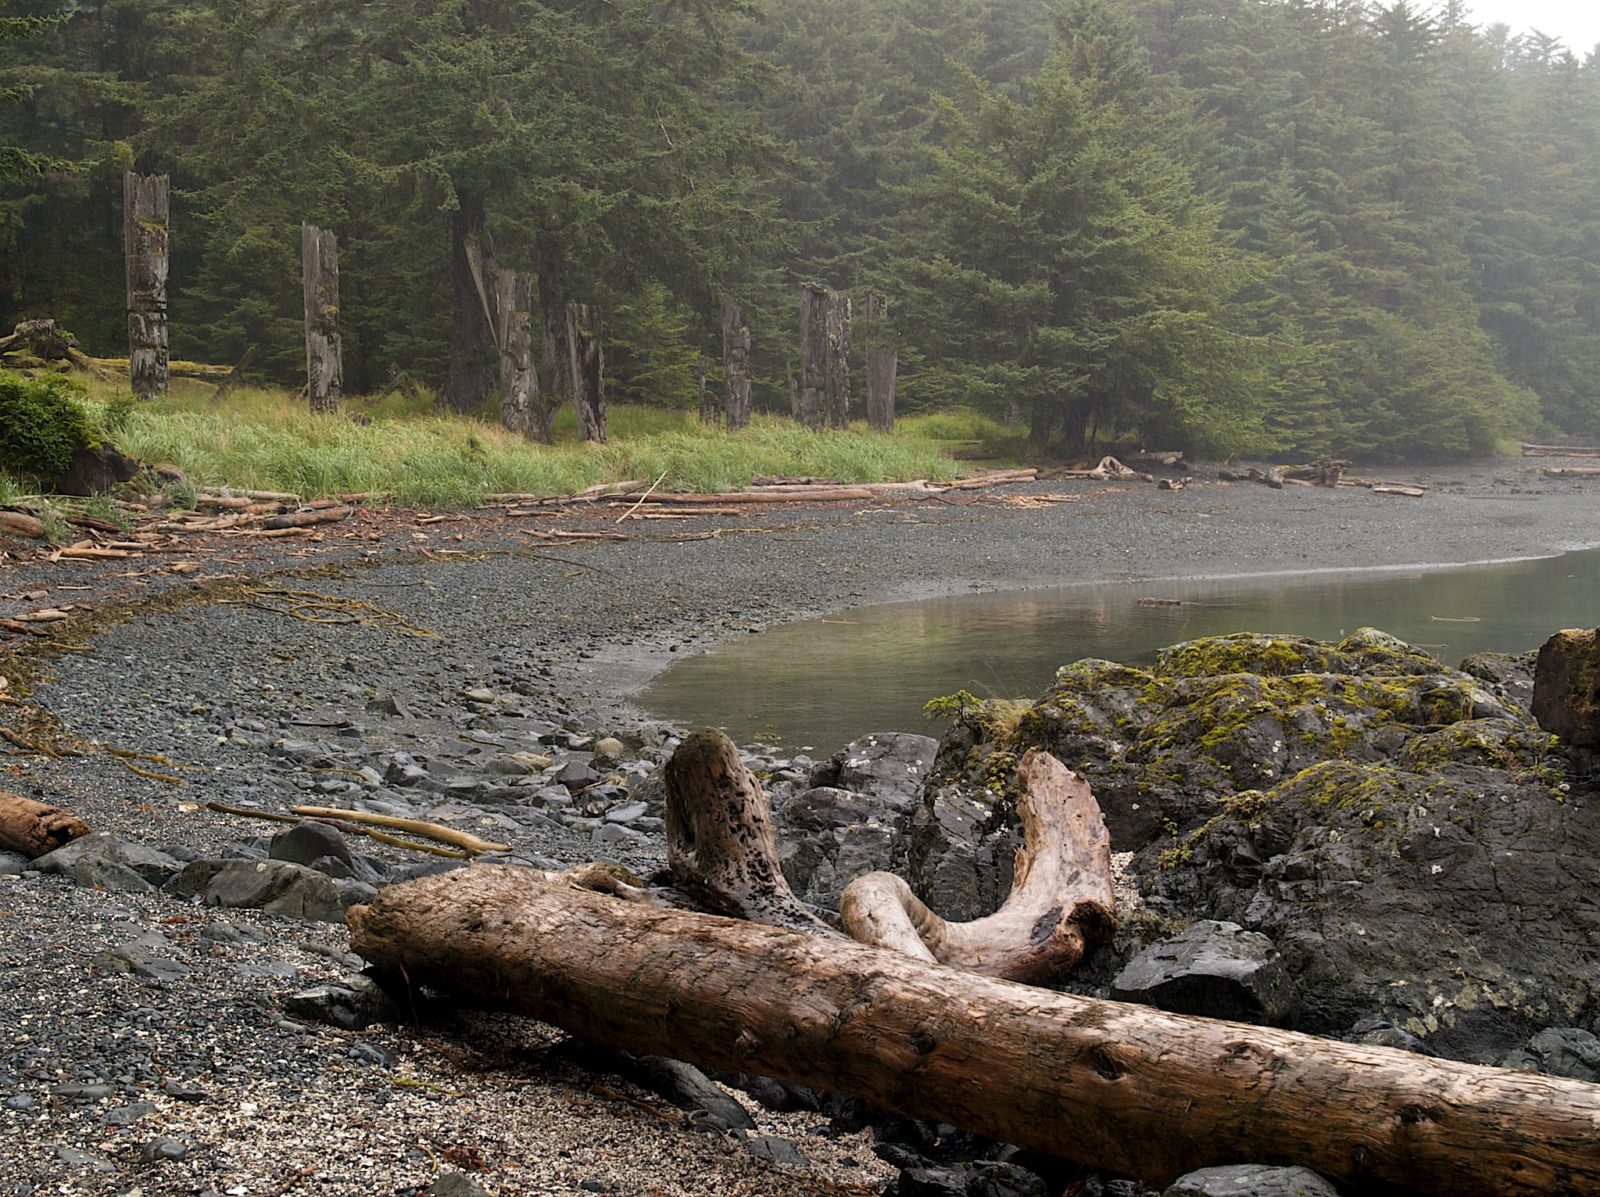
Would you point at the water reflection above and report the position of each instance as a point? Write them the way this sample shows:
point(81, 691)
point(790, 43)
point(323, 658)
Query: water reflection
point(824, 682)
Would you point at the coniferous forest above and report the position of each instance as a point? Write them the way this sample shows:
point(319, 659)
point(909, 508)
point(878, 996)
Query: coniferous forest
point(1229, 226)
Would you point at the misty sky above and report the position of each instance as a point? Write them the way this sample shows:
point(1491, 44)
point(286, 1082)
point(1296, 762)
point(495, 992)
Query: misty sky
point(1576, 22)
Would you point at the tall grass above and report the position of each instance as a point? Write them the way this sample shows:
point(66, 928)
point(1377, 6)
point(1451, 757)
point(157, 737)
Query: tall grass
point(269, 440)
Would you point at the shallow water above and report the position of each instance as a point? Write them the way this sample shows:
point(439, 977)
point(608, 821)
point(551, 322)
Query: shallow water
point(822, 683)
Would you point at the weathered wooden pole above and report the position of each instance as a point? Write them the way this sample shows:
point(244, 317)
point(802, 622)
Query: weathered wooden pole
point(1128, 1088)
point(882, 361)
point(736, 364)
point(145, 210)
point(813, 355)
point(588, 370)
point(554, 356)
point(838, 370)
point(319, 267)
point(520, 409)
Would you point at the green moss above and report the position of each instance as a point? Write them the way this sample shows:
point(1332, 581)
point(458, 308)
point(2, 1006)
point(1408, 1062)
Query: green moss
point(43, 422)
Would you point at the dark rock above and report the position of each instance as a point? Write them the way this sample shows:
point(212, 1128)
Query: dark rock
point(576, 775)
point(129, 1114)
point(1566, 687)
point(371, 1053)
point(351, 1003)
point(83, 1093)
point(357, 867)
point(1378, 1032)
point(1561, 1051)
point(96, 872)
point(94, 471)
point(1214, 969)
point(1393, 826)
point(192, 879)
point(276, 887)
point(686, 1087)
point(455, 1184)
point(184, 1091)
point(22, 1102)
point(888, 766)
point(829, 836)
point(145, 957)
point(778, 1096)
point(13, 864)
point(388, 704)
point(962, 848)
point(1250, 1180)
point(74, 1158)
point(308, 842)
point(971, 1180)
point(101, 847)
point(776, 1151)
point(164, 1148)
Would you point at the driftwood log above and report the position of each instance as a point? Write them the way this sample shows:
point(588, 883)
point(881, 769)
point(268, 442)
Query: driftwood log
point(1059, 908)
point(32, 828)
point(1127, 1088)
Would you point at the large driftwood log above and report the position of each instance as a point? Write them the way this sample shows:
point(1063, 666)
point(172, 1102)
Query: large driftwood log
point(32, 828)
point(1059, 908)
point(1122, 1087)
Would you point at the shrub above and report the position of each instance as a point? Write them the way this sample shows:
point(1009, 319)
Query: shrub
point(43, 422)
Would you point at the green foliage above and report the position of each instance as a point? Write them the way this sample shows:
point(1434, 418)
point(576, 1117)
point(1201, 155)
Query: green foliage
point(43, 422)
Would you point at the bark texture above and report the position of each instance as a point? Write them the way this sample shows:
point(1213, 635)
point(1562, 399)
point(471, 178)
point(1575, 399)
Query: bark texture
point(1128, 1088)
point(736, 365)
point(588, 370)
point(722, 849)
point(1060, 905)
point(813, 355)
point(319, 266)
point(471, 375)
point(145, 208)
point(838, 371)
point(882, 362)
point(32, 828)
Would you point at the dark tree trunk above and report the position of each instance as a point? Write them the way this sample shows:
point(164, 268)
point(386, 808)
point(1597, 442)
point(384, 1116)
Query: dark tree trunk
point(554, 359)
point(319, 264)
point(814, 310)
point(710, 408)
point(471, 377)
point(145, 208)
point(736, 364)
point(588, 370)
point(882, 361)
point(838, 374)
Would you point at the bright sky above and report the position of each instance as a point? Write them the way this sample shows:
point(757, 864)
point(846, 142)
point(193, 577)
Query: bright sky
point(1575, 22)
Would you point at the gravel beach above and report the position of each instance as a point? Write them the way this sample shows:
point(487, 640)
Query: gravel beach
point(469, 672)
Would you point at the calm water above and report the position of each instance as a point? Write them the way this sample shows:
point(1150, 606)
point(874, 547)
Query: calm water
point(822, 683)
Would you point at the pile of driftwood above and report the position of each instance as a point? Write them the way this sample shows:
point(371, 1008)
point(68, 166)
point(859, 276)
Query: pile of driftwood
point(1325, 471)
point(917, 1016)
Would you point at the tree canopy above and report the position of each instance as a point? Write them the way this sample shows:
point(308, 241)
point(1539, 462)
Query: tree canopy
point(1296, 227)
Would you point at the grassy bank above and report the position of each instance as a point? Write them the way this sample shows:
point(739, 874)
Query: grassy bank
point(266, 439)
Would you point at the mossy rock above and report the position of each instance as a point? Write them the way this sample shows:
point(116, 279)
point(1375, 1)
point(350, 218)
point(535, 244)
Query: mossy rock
point(43, 423)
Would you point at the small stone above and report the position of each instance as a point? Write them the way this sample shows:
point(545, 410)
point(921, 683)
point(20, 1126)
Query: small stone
point(609, 749)
point(164, 1148)
point(481, 694)
point(21, 1101)
point(454, 1184)
point(626, 814)
point(84, 1093)
point(184, 1091)
point(74, 1158)
point(125, 1115)
point(776, 1151)
point(370, 1053)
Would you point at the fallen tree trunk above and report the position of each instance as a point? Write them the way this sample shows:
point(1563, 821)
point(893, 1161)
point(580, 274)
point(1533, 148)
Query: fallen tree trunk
point(1127, 1088)
point(32, 828)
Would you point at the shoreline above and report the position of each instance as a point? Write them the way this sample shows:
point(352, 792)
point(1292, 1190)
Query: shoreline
point(249, 703)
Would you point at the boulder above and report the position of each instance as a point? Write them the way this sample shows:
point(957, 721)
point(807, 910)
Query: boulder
point(890, 766)
point(1400, 830)
point(1566, 687)
point(275, 887)
point(104, 857)
point(1214, 969)
point(307, 842)
point(1560, 1051)
point(828, 836)
point(1250, 1180)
